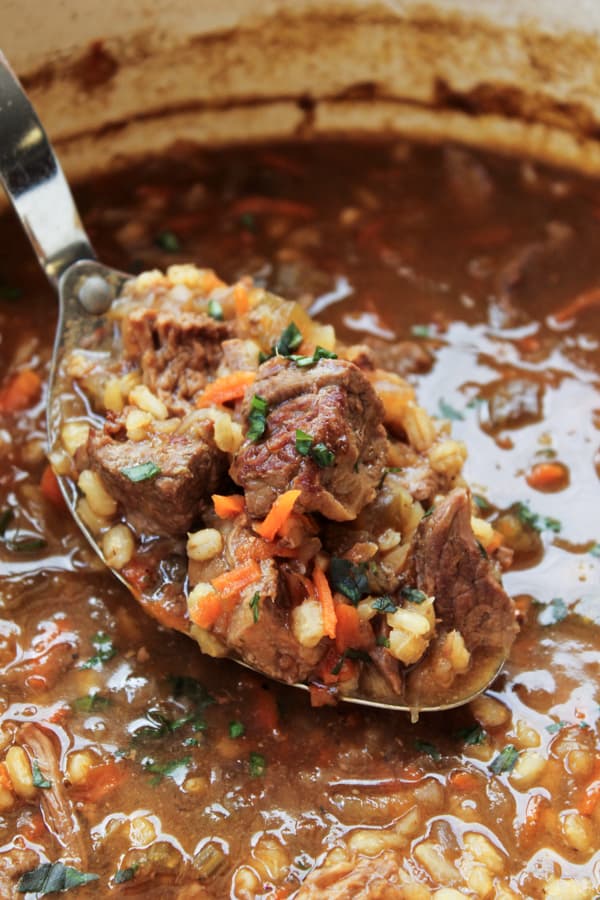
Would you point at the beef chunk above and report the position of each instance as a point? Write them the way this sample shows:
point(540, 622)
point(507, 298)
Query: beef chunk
point(176, 352)
point(450, 566)
point(515, 402)
point(333, 403)
point(190, 467)
point(401, 357)
point(356, 878)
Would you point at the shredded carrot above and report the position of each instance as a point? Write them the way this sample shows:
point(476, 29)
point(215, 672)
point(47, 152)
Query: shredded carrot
point(22, 391)
point(277, 515)
point(100, 781)
point(257, 204)
point(264, 712)
point(347, 627)
point(591, 795)
point(228, 507)
point(536, 806)
point(232, 583)
point(463, 781)
point(50, 488)
point(207, 610)
point(326, 600)
point(225, 389)
point(241, 299)
point(581, 303)
point(547, 476)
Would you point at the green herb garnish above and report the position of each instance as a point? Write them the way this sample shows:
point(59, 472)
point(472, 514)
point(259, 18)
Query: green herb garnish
point(291, 338)
point(53, 877)
point(593, 551)
point(413, 595)
point(322, 455)
point(505, 761)
point(422, 331)
point(449, 412)
point(123, 875)
point(27, 545)
point(160, 770)
point(473, 735)
point(236, 729)
point(104, 648)
point(555, 612)
point(90, 703)
point(304, 362)
point(257, 418)
point(430, 749)
point(304, 442)
point(347, 578)
point(384, 604)
point(554, 727)
point(39, 780)
point(361, 655)
point(255, 607)
point(215, 310)
point(535, 521)
point(141, 472)
point(257, 765)
point(481, 502)
point(382, 641)
point(168, 240)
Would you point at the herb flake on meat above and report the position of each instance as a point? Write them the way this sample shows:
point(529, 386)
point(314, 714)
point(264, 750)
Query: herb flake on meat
point(384, 604)
point(322, 455)
point(304, 442)
point(215, 310)
point(53, 877)
point(257, 418)
point(123, 875)
point(141, 472)
point(304, 362)
point(236, 729)
point(347, 578)
point(257, 765)
point(255, 607)
point(360, 655)
point(290, 339)
point(39, 780)
point(413, 595)
point(505, 761)
point(105, 650)
point(382, 641)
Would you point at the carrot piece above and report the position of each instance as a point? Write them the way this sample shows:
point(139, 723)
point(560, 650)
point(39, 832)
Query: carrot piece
point(225, 389)
point(277, 515)
point(207, 610)
point(463, 781)
point(50, 488)
point(232, 583)
point(22, 391)
point(591, 795)
point(547, 476)
point(241, 299)
point(228, 507)
point(581, 303)
point(326, 600)
point(264, 712)
point(347, 628)
point(5, 779)
point(100, 781)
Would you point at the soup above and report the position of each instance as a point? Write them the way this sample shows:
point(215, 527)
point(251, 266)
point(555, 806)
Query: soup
point(133, 759)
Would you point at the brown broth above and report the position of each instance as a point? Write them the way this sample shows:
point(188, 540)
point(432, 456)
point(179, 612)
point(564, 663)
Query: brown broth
point(401, 243)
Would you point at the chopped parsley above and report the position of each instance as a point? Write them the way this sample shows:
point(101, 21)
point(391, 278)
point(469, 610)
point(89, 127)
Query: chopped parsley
point(449, 412)
point(215, 310)
point(473, 735)
point(421, 331)
point(382, 641)
point(322, 455)
point(104, 648)
point(27, 545)
point(255, 607)
point(304, 362)
point(350, 654)
point(90, 703)
point(53, 877)
point(535, 521)
point(257, 418)
point(481, 502)
point(347, 578)
point(236, 729)
point(554, 727)
point(123, 875)
point(430, 749)
point(39, 780)
point(384, 604)
point(304, 442)
point(413, 595)
point(554, 612)
point(290, 339)
point(505, 761)
point(257, 765)
point(170, 768)
point(141, 472)
point(168, 241)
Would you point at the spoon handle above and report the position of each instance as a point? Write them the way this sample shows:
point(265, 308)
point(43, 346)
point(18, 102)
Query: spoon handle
point(35, 183)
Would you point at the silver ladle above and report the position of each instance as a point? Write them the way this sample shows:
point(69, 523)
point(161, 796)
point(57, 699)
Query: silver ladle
point(40, 195)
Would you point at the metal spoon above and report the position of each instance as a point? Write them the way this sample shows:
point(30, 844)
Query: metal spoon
point(40, 195)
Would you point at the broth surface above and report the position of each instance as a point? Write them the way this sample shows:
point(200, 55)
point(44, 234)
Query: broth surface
point(210, 782)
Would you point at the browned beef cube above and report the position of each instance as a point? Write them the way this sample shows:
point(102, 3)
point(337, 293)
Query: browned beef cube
point(176, 352)
point(335, 405)
point(452, 567)
point(181, 470)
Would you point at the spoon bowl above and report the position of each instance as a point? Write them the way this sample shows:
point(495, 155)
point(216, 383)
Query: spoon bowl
point(87, 289)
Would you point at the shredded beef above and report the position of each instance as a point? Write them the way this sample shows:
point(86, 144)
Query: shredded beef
point(333, 403)
point(190, 467)
point(176, 352)
point(450, 566)
point(358, 878)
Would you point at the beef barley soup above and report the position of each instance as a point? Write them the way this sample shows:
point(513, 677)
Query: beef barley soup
point(134, 765)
